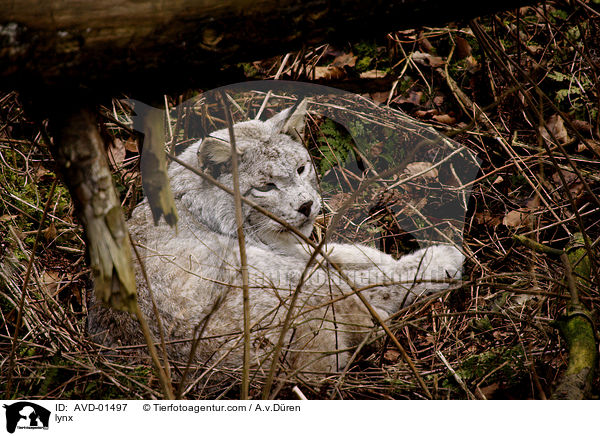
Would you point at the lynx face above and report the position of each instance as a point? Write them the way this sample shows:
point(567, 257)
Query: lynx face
point(275, 172)
point(280, 177)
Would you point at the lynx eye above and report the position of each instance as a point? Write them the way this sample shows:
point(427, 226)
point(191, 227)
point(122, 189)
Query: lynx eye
point(266, 188)
point(301, 169)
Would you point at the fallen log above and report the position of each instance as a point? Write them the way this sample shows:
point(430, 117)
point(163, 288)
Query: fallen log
point(126, 46)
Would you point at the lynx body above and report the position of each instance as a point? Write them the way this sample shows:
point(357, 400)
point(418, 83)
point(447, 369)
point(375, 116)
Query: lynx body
point(195, 272)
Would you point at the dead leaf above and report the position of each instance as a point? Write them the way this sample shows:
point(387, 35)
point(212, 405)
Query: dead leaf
point(391, 356)
point(344, 60)
point(445, 119)
point(414, 98)
point(329, 73)
point(380, 97)
point(463, 48)
point(415, 168)
point(472, 64)
point(437, 100)
point(427, 59)
point(5, 218)
point(582, 126)
point(40, 171)
point(488, 391)
point(555, 126)
point(131, 145)
point(426, 114)
point(50, 281)
point(517, 218)
point(425, 43)
point(50, 232)
point(372, 74)
point(594, 145)
point(77, 294)
point(576, 190)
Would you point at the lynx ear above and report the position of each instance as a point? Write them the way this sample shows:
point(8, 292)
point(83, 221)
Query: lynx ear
point(290, 123)
point(213, 150)
point(294, 126)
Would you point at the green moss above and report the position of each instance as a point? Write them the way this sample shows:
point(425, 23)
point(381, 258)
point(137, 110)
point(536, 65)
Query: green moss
point(504, 365)
point(250, 71)
point(368, 57)
point(364, 64)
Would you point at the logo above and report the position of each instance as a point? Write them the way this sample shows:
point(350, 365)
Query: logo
point(26, 415)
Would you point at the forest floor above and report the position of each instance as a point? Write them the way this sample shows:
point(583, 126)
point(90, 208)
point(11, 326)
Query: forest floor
point(520, 89)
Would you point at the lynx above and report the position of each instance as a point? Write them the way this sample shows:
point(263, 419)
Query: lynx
point(195, 272)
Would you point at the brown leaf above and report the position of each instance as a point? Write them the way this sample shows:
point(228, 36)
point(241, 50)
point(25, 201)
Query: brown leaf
point(594, 145)
point(50, 281)
point(131, 145)
point(344, 60)
point(372, 74)
point(40, 171)
point(426, 114)
point(391, 356)
point(488, 391)
point(556, 126)
point(576, 190)
point(380, 97)
point(582, 126)
point(517, 218)
point(329, 73)
point(414, 98)
point(445, 119)
point(463, 48)
point(50, 232)
point(414, 168)
point(425, 44)
point(5, 218)
point(427, 59)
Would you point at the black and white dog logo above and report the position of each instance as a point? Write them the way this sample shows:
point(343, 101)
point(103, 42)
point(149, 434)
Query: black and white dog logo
point(26, 415)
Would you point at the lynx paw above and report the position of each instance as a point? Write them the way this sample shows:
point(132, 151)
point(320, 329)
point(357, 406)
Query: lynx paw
point(438, 262)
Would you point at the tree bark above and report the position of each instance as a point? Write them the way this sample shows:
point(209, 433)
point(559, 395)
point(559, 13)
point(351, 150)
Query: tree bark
point(127, 45)
point(79, 153)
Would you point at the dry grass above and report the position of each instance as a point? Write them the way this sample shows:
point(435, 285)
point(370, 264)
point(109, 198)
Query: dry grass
point(525, 100)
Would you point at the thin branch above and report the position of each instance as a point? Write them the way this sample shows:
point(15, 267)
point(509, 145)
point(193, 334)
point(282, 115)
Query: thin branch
point(239, 220)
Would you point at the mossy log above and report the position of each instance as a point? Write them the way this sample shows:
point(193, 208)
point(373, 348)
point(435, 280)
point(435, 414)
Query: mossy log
point(578, 332)
point(577, 328)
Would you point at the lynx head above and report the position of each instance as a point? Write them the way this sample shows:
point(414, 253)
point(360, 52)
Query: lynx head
point(275, 171)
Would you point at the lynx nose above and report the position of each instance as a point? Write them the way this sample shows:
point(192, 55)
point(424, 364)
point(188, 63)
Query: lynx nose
point(305, 208)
